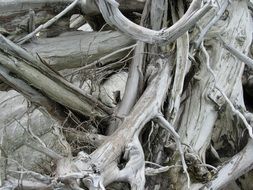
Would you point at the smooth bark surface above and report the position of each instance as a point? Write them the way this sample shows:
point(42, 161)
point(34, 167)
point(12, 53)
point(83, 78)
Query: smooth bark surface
point(79, 49)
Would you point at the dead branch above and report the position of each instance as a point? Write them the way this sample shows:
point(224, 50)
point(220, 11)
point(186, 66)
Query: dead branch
point(45, 151)
point(234, 168)
point(114, 17)
point(133, 82)
point(45, 79)
point(166, 125)
point(80, 49)
point(126, 136)
point(103, 60)
point(90, 138)
point(244, 58)
point(213, 20)
point(48, 23)
point(182, 65)
point(201, 90)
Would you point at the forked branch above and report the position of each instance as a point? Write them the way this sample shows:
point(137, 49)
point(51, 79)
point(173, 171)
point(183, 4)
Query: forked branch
point(114, 17)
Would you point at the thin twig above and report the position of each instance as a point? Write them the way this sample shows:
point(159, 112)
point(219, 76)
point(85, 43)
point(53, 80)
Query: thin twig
point(238, 113)
point(45, 150)
point(35, 175)
point(152, 163)
point(208, 166)
point(166, 125)
point(154, 171)
point(233, 109)
point(248, 61)
point(94, 63)
point(215, 18)
point(29, 130)
point(48, 23)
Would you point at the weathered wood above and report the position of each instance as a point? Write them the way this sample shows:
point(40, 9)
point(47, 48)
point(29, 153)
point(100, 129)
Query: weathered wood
point(30, 63)
point(88, 7)
point(182, 66)
point(50, 87)
point(207, 109)
point(50, 22)
point(14, 14)
point(14, 6)
point(32, 95)
point(16, 132)
point(126, 137)
point(4, 86)
point(202, 98)
point(163, 36)
point(80, 48)
point(3, 163)
point(238, 165)
point(217, 69)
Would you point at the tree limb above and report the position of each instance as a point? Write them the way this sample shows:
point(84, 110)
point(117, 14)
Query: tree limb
point(48, 81)
point(234, 168)
point(114, 17)
point(80, 49)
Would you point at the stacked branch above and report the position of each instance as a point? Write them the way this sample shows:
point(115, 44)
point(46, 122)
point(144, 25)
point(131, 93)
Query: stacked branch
point(180, 123)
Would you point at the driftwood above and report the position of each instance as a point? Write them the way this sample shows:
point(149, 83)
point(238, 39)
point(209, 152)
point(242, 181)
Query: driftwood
point(37, 73)
point(16, 17)
point(88, 7)
point(79, 48)
point(183, 121)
